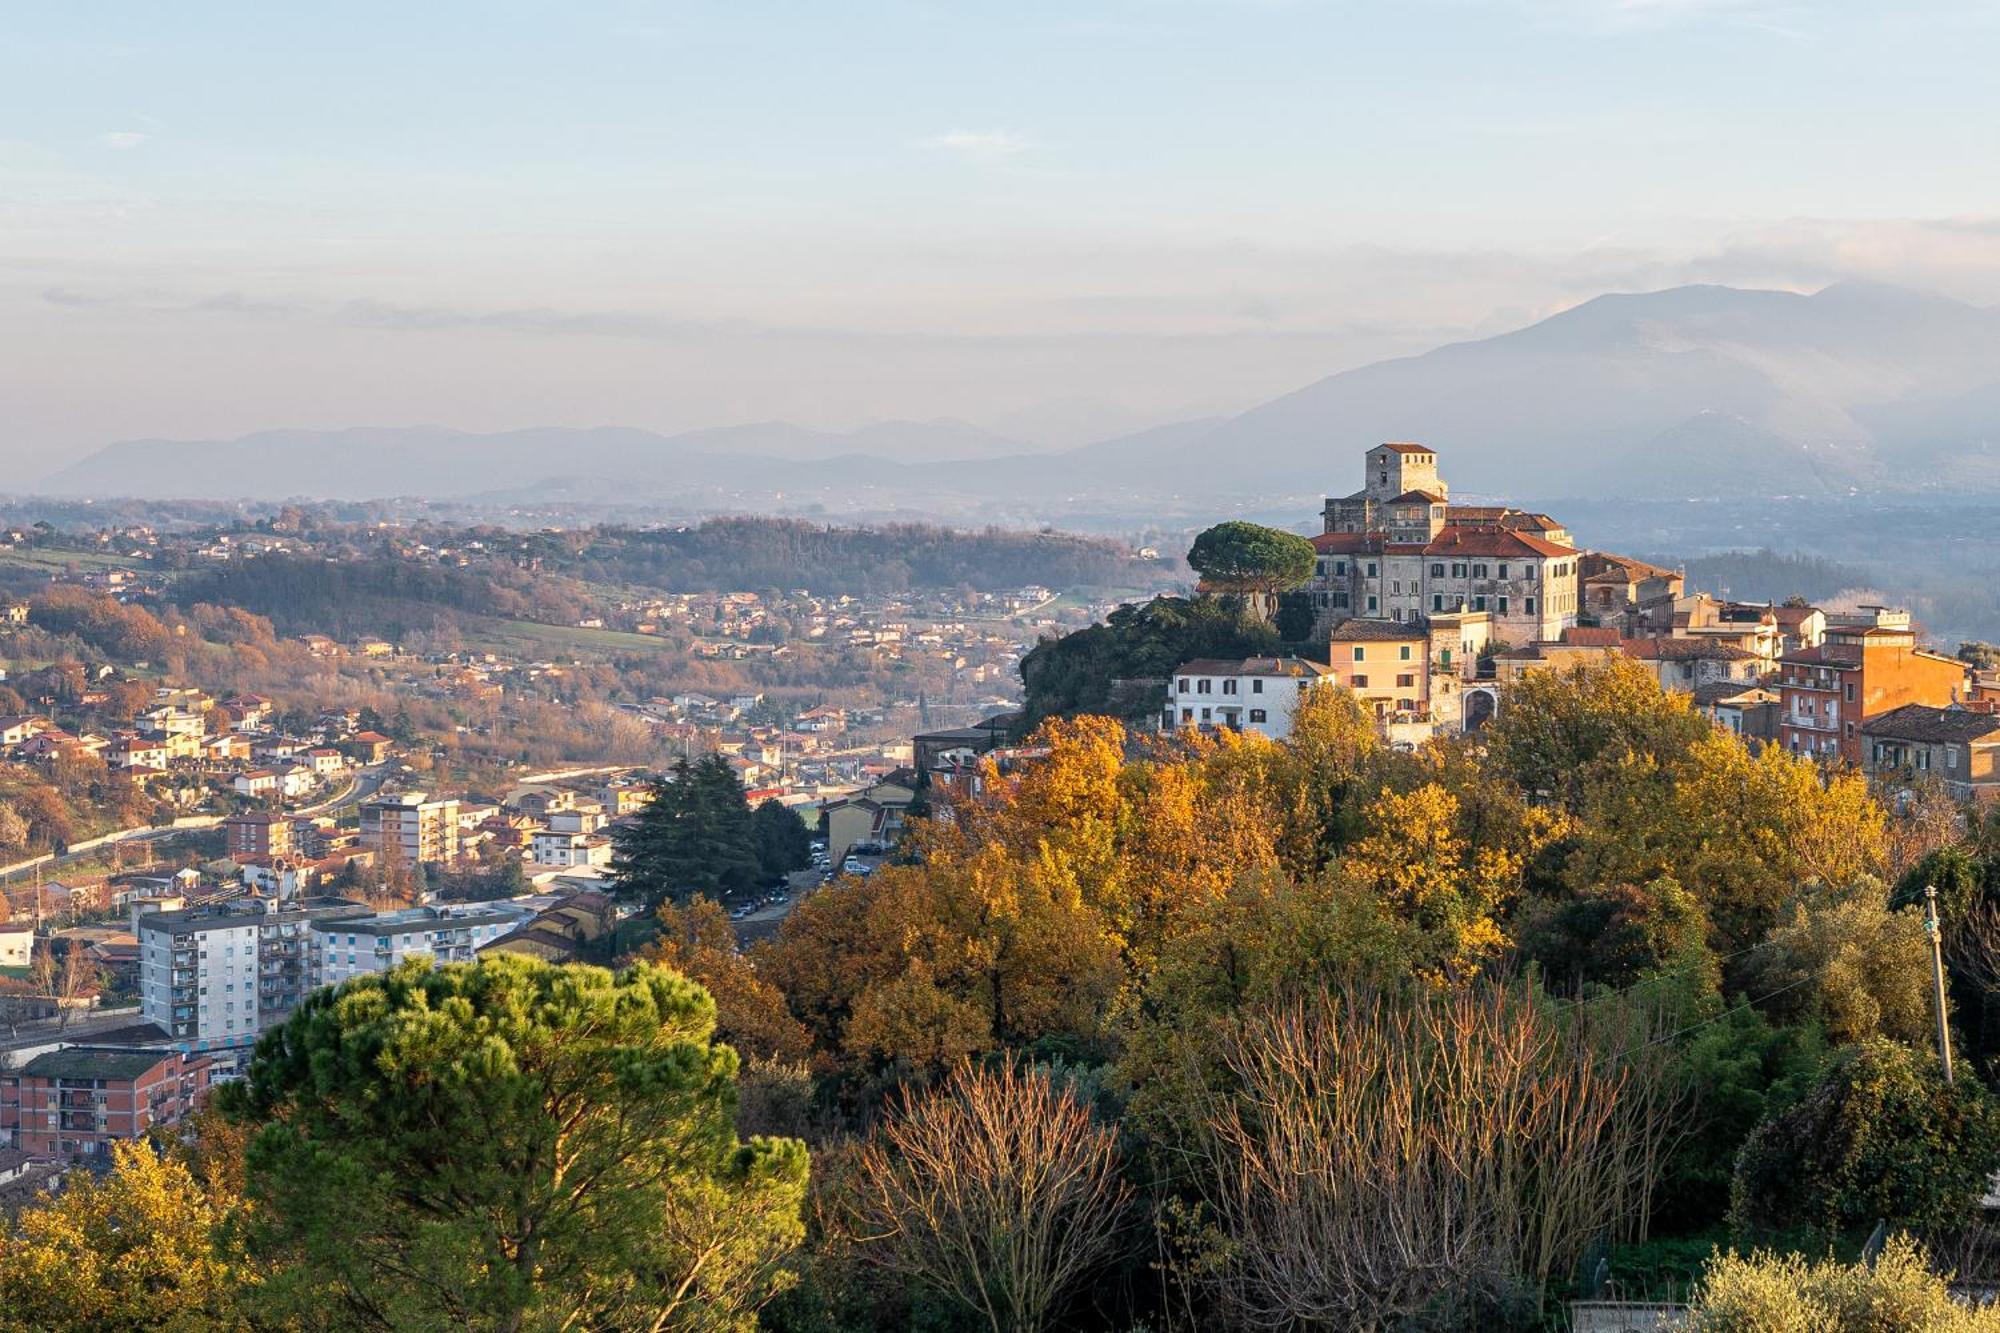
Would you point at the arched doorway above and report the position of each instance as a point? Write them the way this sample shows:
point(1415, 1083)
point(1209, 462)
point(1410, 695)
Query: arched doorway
point(1480, 705)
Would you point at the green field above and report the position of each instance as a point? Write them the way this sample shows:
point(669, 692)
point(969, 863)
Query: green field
point(50, 561)
point(528, 638)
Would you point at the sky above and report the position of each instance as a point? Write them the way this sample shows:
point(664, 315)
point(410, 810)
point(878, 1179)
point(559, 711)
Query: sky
point(1058, 221)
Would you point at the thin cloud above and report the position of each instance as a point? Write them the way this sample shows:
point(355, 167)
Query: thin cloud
point(121, 140)
point(978, 143)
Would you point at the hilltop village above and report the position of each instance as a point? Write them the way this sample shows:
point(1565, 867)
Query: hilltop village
point(1429, 610)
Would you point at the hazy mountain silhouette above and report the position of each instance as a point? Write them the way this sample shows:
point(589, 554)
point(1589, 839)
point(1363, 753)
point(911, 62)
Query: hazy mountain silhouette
point(1691, 391)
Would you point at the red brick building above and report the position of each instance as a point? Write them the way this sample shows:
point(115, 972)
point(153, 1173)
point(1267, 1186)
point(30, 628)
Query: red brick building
point(1861, 671)
point(74, 1102)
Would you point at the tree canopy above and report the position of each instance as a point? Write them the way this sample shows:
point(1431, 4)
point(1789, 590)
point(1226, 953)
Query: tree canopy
point(508, 1145)
point(1242, 557)
point(696, 835)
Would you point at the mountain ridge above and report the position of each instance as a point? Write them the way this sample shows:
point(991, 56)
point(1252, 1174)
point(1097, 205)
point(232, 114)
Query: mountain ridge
point(1696, 388)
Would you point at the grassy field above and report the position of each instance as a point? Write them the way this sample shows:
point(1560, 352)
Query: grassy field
point(527, 638)
point(50, 561)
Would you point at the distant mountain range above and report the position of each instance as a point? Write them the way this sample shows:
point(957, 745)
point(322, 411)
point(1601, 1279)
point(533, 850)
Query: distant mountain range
point(1694, 391)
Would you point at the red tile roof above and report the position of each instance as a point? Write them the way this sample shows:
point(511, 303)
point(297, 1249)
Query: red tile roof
point(1405, 447)
point(1492, 542)
point(1348, 543)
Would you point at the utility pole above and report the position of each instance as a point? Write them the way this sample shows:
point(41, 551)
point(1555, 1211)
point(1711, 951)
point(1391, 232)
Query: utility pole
point(1937, 977)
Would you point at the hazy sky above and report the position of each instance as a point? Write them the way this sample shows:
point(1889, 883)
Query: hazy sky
point(1053, 219)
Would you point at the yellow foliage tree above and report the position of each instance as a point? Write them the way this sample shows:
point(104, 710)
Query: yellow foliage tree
point(1415, 859)
point(137, 1249)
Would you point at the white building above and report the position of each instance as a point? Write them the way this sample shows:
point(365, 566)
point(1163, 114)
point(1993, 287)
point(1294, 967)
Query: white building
point(217, 976)
point(555, 847)
point(347, 947)
point(1256, 694)
point(17, 946)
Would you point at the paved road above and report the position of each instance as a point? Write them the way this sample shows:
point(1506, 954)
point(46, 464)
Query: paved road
point(366, 783)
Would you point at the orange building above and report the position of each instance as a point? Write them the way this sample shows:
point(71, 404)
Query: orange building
point(1867, 666)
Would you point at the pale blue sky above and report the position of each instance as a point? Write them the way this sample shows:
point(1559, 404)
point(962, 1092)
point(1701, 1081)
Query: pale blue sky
point(1056, 219)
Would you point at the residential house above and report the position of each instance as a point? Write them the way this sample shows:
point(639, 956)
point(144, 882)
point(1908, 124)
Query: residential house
point(1953, 745)
point(419, 829)
point(872, 816)
point(1251, 694)
point(1749, 711)
point(577, 928)
point(552, 848)
point(355, 946)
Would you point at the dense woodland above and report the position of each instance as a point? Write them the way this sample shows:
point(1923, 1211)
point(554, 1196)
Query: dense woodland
point(1620, 990)
point(730, 553)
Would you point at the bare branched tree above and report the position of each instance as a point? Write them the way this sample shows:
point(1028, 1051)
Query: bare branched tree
point(1381, 1154)
point(997, 1190)
point(1926, 818)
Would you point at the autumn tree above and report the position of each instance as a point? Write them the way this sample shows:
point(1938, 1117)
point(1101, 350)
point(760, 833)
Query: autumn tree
point(698, 941)
point(140, 1247)
point(511, 1145)
point(1564, 726)
point(1414, 859)
point(998, 1190)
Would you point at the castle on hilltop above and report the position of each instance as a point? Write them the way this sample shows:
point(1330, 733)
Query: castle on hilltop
point(1399, 550)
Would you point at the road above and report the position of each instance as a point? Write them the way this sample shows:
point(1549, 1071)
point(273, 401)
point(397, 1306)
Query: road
point(764, 922)
point(367, 781)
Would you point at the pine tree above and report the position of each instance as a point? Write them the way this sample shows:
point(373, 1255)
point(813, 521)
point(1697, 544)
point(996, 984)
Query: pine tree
point(696, 836)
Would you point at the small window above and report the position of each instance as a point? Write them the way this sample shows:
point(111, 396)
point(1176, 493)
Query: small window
point(1257, 715)
point(1371, 569)
point(1479, 571)
point(1479, 603)
point(1340, 566)
point(1503, 571)
point(1458, 570)
point(1371, 604)
point(1183, 683)
point(1406, 682)
point(1206, 714)
point(1437, 602)
point(1528, 605)
point(1200, 687)
point(1187, 714)
point(1360, 653)
point(1403, 653)
point(1503, 605)
point(1256, 687)
point(1437, 571)
point(1360, 682)
point(1229, 687)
